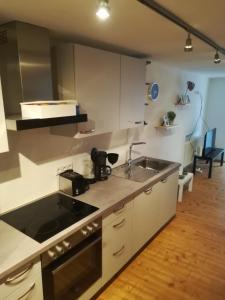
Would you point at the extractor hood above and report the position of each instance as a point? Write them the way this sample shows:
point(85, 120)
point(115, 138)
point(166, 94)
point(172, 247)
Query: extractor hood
point(26, 73)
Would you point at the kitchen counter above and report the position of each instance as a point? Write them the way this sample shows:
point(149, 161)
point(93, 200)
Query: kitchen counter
point(18, 249)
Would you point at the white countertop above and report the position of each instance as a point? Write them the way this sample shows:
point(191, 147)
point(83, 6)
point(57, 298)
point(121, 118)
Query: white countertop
point(18, 249)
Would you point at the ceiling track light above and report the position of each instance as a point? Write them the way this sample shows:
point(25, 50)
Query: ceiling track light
point(217, 59)
point(188, 46)
point(163, 11)
point(103, 10)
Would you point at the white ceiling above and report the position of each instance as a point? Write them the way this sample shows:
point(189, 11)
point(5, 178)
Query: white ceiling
point(132, 28)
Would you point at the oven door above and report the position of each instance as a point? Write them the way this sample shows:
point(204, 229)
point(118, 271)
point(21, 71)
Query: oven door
point(72, 274)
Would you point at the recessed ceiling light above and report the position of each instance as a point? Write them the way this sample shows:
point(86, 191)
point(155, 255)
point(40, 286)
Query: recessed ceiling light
point(103, 10)
point(217, 59)
point(188, 46)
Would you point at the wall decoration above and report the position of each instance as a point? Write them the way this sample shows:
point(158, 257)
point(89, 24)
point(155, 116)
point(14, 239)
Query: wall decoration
point(153, 91)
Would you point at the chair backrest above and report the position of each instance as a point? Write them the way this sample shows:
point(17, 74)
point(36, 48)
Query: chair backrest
point(209, 142)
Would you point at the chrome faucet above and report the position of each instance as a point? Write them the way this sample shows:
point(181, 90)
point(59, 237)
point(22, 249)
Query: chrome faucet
point(129, 161)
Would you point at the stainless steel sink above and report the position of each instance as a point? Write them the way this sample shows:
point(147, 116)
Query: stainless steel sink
point(141, 169)
point(152, 164)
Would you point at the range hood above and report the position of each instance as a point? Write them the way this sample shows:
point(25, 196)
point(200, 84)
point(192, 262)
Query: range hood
point(26, 73)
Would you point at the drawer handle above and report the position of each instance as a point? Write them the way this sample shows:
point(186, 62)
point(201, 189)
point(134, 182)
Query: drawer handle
point(120, 210)
point(87, 131)
point(10, 280)
point(119, 252)
point(27, 292)
point(138, 122)
point(164, 180)
point(120, 224)
point(148, 191)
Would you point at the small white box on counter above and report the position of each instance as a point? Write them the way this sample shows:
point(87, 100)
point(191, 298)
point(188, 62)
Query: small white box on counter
point(48, 109)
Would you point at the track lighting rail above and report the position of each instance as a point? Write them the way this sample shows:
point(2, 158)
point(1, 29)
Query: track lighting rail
point(178, 21)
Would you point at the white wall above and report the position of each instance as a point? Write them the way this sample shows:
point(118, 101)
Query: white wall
point(28, 171)
point(215, 109)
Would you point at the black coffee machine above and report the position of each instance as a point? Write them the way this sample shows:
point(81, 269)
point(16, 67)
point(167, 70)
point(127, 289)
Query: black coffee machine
point(101, 170)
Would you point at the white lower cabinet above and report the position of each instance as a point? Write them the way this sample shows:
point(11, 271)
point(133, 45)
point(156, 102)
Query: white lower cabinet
point(145, 215)
point(24, 284)
point(153, 209)
point(116, 242)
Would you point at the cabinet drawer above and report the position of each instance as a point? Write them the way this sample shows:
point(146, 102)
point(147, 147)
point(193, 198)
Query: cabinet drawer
point(116, 246)
point(120, 211)
point(20, 281)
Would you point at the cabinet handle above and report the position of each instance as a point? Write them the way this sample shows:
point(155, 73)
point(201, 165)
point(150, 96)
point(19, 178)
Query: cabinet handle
point(87, 131)
point(10, 280)
point(120, 224)
point(120, 210)
point(148, 191)
point(164, 180)
point(119, 252)
point(27, 292)
point(138, 122)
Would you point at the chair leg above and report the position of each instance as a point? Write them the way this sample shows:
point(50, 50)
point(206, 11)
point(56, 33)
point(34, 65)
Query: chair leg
point(221, 160)
point(194, 165)
point(210, 168)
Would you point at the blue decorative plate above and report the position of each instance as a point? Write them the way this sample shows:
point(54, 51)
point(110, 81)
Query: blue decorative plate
point(153, 91)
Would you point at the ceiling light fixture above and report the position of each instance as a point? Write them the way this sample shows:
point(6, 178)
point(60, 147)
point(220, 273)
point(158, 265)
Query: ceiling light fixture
point(103, 10)
point(166, 13)
point(188, 46)
point(217, 59)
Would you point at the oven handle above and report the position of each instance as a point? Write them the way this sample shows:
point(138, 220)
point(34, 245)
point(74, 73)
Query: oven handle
point(68, 261)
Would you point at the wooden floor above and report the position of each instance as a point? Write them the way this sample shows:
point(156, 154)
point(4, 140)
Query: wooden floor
point(187, 259)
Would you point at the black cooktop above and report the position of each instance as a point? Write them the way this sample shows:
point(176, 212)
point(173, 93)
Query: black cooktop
point(44, 218)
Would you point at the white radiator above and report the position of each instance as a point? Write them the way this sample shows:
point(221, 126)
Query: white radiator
point(191, 148)
point(188, 153)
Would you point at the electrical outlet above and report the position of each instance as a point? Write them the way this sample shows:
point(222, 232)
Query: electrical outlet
point(64, 168)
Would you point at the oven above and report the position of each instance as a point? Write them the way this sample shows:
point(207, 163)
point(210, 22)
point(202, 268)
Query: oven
point(73, 265)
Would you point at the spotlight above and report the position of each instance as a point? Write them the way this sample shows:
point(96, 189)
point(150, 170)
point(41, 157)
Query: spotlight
point(217, 59)
point(103, 10)
point(188, 46)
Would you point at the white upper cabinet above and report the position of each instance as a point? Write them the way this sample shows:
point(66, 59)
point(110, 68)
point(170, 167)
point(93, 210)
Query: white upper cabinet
point(132, 92)
point(3, 132)
point(98, 86)
point(109, 87)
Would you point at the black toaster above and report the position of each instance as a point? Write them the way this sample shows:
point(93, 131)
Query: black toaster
point(72, 183)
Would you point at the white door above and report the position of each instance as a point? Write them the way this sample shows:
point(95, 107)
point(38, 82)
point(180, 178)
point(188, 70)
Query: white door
point(132, 96)
point(97, 77)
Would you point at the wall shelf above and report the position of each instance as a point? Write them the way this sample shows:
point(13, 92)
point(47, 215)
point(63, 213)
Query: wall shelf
point(16, 123)
point(182, 105)
point(166, 127)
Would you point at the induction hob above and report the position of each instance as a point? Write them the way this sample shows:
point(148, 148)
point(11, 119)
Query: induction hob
point(46, 217)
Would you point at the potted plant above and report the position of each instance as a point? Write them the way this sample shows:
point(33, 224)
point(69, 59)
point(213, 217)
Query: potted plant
point(171, 116)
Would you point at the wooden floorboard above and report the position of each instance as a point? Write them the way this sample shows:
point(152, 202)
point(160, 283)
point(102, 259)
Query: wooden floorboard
point(186, 261)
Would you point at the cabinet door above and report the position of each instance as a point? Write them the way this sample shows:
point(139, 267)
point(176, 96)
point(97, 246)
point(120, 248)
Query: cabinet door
point(132, 92)
point(145, 223)
point(168, 198)
point(3, 132)
point(97, 77)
